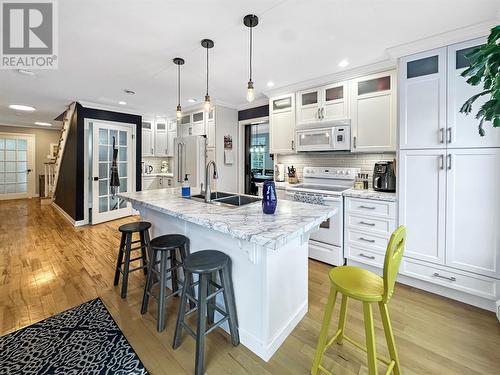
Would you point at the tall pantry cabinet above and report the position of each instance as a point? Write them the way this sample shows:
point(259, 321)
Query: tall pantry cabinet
point(448, 178)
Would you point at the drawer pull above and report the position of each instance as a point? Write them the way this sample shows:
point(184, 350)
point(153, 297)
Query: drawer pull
point(367, 207)
point(367, 256)
point(366, 240)
point(444, 277)
point(365, 223)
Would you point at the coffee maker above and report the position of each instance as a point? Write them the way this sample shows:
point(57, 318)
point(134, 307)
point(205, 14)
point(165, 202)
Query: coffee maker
point(384, 177)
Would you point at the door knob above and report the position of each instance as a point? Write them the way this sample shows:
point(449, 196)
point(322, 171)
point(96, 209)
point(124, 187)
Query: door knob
point(96, 178)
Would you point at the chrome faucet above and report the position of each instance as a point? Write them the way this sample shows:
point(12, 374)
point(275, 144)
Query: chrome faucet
point(208, 190)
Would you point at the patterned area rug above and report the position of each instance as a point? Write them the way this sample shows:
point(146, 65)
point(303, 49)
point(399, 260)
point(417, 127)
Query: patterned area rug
point(82, 340)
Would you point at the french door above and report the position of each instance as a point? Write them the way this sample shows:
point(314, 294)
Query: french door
point(17, 166)
point(105, 206)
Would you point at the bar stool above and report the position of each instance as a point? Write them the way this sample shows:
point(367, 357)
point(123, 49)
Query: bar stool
point(207, 264)
point(163, 250)
point(126, 248)
point(369, 288)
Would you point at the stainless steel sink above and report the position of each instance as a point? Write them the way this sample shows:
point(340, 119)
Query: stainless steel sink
point(228, 199)
point(237, 200)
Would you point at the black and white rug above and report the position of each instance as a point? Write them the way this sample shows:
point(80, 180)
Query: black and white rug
point(82, 340)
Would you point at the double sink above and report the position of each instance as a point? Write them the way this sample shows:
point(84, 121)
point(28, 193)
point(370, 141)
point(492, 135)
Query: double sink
point(228, 199)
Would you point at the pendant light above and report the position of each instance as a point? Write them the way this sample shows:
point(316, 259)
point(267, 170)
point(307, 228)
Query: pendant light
point(178, 61)
point(207, 44)
point(250, 21)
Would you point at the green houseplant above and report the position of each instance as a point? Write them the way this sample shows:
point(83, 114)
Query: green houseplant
point(485, 67)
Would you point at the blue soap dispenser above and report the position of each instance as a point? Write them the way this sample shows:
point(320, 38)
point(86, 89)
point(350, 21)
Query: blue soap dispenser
point(186, 188)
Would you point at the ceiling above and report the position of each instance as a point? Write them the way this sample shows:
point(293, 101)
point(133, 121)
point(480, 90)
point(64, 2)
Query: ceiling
point(107, 46)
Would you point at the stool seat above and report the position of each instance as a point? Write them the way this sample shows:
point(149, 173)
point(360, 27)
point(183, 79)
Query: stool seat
point(138, 226)
point(168, 241)
point(357, 283)
point(206, 261)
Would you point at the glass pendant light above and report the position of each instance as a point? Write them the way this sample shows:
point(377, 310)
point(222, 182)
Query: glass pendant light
point(178, 61)
point(207, 43)
point(250, 21)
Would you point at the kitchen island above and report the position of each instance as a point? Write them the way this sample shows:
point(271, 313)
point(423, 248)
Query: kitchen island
point(269, 255)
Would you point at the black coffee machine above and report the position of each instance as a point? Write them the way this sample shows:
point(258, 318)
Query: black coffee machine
point(384, 177)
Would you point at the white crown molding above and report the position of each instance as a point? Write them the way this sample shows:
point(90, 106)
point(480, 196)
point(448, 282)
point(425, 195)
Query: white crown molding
point(55, 127)
point(444, 39)
point(334, 77)
point(105, 107)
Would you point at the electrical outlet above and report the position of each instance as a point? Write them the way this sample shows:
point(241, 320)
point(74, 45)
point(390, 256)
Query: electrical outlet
point(498, 310)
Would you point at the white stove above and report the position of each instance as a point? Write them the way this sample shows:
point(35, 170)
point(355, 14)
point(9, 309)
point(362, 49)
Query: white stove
point(324, 186)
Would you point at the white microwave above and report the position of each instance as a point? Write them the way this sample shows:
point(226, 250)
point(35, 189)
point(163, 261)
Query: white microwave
point(325, 138)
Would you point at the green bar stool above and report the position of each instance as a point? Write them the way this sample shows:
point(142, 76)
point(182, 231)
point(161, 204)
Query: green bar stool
point(369, 288)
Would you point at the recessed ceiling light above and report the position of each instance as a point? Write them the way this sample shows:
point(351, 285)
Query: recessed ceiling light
point(42, 123)
point(129, 92)
point(121, 102)
point(270, 84)
point(20, 107)
point(192, 100)
point(343, 63)
point(26, 72)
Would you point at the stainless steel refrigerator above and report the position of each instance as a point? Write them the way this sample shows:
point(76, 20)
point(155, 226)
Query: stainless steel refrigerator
point(189, 158)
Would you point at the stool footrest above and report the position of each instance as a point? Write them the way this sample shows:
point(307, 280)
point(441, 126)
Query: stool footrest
point(212, 295)
point(216, 325)
point(189, 330)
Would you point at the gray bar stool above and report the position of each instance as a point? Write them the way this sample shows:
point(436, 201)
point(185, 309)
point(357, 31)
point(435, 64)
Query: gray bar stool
point(207, 264)
point(163, 251)
point(123, 265)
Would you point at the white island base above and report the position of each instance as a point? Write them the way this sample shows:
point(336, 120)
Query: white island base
point(270, 285)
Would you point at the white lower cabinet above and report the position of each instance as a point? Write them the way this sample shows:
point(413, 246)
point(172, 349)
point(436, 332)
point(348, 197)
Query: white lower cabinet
point(368, 226)
point(449, 202)
point(149, 183)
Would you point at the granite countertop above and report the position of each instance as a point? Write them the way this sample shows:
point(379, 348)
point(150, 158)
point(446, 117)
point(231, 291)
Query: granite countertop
point(248, 223)
point(371, 194)
point(157, 175)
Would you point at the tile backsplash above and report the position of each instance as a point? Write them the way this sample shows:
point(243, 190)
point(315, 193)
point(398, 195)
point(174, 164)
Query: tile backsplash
point(363, 161)
point(155, 162)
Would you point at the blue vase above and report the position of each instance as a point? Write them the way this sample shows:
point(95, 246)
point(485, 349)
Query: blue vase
point(269, 200)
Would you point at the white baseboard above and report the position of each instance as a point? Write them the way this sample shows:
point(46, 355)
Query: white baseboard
point(63, 213)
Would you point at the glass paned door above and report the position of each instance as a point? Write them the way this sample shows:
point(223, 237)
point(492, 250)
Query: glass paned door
point(17, 176)
point(105, 206)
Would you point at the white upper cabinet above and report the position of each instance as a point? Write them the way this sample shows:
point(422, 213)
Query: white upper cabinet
point(373, 113)
point(161, 138)
point(211, 128)
point(463, 129)
point(282, 124)
point(423, 100)
point(185, 125)
point(322, 104)
point(147, 138)
point(198, 123)
point(171, 135)
point(473, 210)
point(422, 203)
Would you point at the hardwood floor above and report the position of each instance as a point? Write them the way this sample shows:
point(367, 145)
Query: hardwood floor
point(47, 266)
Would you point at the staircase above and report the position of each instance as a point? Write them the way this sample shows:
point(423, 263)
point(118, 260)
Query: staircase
point(52, 168)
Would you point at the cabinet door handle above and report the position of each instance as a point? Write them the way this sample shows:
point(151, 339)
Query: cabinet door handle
point(441, 162)
point(293, 145)
point(448, 161)
point(322, 113)
point(152, 151)
point(448, 133)
point(367, 207)
point(354, 141)
point(444, 277)
point(367, 256)
point(365, 223)
point(441, 135)
point(366, 240)
point(318, 116)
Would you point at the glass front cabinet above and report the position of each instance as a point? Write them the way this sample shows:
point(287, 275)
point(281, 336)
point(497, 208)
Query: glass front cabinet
point(322, 104)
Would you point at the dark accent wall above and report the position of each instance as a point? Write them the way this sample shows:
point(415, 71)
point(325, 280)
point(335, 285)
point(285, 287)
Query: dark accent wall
point(70, 187)
point(66, 195)
point(255, 112)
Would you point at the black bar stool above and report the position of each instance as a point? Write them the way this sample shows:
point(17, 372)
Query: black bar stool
point(163, 250)
point(126, 248)
point(207, 264)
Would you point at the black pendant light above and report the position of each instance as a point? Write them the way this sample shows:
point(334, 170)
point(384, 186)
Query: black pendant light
point(178, 61)
point(250, 21)
point(207, 44)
